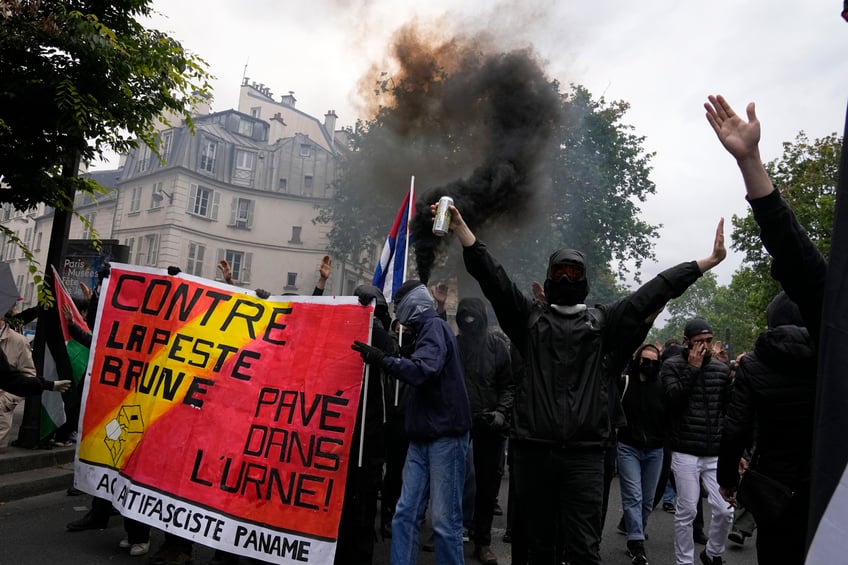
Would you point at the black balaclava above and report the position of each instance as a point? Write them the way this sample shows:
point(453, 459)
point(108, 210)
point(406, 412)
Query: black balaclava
point(471, 316)
point(564, 291)
point(381, 310)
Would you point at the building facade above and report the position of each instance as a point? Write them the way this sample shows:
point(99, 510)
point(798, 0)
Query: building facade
point(245, 186)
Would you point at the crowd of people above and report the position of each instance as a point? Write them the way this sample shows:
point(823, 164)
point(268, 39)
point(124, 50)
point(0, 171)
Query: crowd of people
point(573, 393)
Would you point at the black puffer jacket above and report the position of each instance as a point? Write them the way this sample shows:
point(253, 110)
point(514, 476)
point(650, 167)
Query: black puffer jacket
point(697, 401)
point(561, 389)
point(774, 393)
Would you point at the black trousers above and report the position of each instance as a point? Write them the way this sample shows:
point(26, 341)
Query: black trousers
point(488, 451)
point(565, 487)
point(783, 540)
point(355, 544)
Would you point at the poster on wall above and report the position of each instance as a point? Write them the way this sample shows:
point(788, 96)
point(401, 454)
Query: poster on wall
point(83, 261)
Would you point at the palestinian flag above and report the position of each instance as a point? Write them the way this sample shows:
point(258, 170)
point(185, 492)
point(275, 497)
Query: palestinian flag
point(77, 352)
point(63, 357)
point(828, 526)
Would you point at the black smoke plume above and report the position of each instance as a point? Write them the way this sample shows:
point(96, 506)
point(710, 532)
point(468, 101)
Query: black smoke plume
point(495, 112)
point(518, 109)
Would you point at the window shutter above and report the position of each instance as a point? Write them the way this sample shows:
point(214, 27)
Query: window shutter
point(245, 271)
point(233, 211)
point(250, 208)
point(216, 200)
point(192, 199)
point(154, 253)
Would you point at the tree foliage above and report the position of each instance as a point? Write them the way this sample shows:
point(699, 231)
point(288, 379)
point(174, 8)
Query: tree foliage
point(80, 78)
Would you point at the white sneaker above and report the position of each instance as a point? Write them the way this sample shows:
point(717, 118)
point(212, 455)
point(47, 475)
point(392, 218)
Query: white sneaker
point(139, 549)
point(124, 543)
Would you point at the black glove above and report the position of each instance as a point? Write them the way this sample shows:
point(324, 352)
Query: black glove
point(173, 270)
point(262, 293)
point(494, 419)
point(371, 355)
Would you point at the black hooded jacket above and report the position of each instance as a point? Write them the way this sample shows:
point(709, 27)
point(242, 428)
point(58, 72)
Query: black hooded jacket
point(561, 389)
point(643, 403)
point(485, 362)
point(774, 393)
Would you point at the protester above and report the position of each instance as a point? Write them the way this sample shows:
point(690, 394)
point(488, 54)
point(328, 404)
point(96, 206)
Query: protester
point(640, 446)
point(774, 395)
point(561, 416)
point(18, 376)
point(797, 264)
point(397, 442)
point(438, 421)
point(355, 541)
point(697, 388)
point(488, 380)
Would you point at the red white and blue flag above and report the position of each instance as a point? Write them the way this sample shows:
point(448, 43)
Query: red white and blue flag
point(391, 269)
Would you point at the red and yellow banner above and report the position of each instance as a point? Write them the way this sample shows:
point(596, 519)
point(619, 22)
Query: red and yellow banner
point(222, 417)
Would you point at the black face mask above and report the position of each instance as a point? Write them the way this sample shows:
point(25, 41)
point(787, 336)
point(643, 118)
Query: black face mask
point(470, 324)
point(565, 292)
point(649, 367)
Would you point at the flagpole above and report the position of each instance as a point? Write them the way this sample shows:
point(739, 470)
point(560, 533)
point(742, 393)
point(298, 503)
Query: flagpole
point(406, 262)
point(365, 390)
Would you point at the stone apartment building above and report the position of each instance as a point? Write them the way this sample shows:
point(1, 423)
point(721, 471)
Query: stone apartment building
point(245, 186)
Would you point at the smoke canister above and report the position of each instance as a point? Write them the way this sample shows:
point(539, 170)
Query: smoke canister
point(443, 216)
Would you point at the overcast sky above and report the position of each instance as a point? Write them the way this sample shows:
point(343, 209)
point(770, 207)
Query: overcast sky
point(661, 56)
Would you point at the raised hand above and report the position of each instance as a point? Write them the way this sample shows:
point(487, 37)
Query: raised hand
point(719, 250)
point(226, 271)
point(326, 267)
point(740, 138)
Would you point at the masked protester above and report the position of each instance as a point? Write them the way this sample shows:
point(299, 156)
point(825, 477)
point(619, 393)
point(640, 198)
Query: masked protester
point(561, 414)
point(488, 379)
point(640, 445)
point(774, 395)
point(438, 421)
point(697, 388)
point(355, 545)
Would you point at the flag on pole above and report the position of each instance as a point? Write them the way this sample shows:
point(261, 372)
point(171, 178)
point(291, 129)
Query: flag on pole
point(828, 525)
point(61, 351)
point(391, 269)
point(77, 352)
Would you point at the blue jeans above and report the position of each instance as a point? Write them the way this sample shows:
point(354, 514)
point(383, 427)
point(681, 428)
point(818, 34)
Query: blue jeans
point(669, 493)
point(469, 490)
point(437, 469)
point(638, 470)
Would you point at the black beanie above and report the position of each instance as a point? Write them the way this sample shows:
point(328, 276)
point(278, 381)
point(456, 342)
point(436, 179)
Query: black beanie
point(404, 289)
point(696, 326)
point(782, 311)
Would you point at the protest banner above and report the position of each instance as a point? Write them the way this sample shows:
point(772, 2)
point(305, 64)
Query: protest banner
point(221, 417)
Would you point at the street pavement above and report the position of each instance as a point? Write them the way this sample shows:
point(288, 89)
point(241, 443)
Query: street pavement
point(32, 532)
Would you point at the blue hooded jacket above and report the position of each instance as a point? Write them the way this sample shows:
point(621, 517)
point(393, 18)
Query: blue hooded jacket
point(438, 404)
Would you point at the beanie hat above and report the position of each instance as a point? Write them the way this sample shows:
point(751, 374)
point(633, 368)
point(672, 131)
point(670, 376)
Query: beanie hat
point(404, 289)
point(696, 326)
